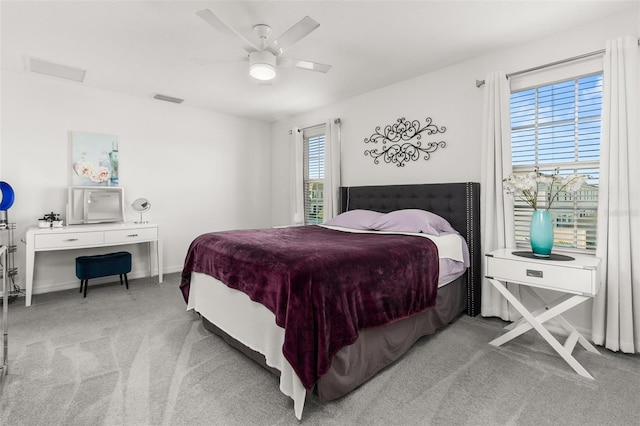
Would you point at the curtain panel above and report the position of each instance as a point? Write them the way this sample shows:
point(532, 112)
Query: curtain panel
point(296, 181)
point(497, 207)
point(616, 308)
point(332, 167)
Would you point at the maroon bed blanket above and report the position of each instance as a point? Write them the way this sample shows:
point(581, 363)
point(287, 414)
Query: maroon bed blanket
point(322, 285)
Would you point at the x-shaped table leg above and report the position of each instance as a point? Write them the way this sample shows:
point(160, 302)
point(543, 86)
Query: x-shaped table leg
point(540, 316)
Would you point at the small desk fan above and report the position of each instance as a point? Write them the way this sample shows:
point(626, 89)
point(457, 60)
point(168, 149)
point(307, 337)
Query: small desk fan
point(6, 200)
point(141, 205)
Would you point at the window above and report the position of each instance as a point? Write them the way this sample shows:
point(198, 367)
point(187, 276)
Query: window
point(557, 126)
point(313, 178)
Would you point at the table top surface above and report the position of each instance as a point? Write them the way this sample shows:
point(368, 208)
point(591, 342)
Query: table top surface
point(582, 261)
point(92, 227)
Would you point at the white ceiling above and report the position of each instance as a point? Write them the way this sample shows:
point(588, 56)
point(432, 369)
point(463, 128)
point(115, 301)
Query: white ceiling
point(147, 47)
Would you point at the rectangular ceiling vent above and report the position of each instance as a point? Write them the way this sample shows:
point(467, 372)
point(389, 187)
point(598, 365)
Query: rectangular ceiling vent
point(56, 70)
point(168, 98)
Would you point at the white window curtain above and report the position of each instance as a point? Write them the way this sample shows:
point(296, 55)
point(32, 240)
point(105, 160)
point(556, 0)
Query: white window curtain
point(332, 169)
point(616, 308)
point(297, 193)
point(332, 173)
point(497, 207)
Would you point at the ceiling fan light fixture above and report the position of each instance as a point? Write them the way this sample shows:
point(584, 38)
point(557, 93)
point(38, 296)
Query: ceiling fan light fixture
point(262, 65)
point(263, 72)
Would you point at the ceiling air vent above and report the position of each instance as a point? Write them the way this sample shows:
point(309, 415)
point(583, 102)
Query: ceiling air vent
point(168, 98)
point(56, 70)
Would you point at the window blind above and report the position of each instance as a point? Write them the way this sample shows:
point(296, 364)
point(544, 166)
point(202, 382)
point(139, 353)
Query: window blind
point(557, 127)
point(313, 169)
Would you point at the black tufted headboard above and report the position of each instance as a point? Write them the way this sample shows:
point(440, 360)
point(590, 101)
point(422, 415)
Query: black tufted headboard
point(459, 203)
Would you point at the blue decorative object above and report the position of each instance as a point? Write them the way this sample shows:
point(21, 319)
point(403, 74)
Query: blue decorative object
point(541, 233)
point(7, 198)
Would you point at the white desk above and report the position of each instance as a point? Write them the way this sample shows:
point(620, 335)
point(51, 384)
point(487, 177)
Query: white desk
point(88, 236)
point(578, 279)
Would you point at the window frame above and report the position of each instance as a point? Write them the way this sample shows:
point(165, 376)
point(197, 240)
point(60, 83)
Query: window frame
point(317, 172)
point(582, 228)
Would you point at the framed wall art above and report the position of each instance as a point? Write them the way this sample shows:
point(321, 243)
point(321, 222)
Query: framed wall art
point(94, 159)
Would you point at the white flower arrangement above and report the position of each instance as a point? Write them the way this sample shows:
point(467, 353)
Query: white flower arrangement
point(526, 186)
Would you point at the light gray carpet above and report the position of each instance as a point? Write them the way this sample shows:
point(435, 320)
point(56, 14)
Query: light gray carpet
point(136, 357)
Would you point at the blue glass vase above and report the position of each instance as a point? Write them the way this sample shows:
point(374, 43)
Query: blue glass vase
point(541, 233)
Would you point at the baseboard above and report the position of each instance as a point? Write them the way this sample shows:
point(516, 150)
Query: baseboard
point(47, 288)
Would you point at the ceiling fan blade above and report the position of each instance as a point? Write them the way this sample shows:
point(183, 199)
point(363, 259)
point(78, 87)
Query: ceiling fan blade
point(294, 34)
point(210, 61)
point(225, 29)
point(305, 65)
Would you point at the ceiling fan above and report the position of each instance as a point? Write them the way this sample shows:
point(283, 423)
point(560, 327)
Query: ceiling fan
point(265, 58)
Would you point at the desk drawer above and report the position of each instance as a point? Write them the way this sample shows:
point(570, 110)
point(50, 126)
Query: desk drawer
point(553, 276)
point(70, 240)
point(130, 235)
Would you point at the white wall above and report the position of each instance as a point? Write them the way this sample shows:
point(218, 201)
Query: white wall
point(450, 97)
point(202, 171)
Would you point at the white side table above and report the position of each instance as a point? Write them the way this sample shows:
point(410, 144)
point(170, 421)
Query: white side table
point(578, 279)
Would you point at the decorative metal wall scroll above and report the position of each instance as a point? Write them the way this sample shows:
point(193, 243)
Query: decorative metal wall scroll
point(401, 142)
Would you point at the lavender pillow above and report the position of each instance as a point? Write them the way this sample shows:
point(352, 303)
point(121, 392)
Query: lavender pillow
point(355, 219)
point(413, 220)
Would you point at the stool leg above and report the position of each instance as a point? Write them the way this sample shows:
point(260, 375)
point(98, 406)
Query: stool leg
point(126, 281)
point(81, 284)
point(120, 279)
point(86, 284)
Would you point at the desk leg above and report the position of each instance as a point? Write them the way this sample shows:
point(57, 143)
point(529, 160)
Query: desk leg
point(31, 254)
point(157, 245)
point(570, 302)
point(159, 256)
point(150, 244)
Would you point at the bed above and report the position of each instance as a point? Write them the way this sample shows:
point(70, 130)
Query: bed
point(259, 329)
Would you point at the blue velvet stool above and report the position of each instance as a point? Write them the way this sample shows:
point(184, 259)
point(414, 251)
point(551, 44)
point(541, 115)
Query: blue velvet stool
point(102, 265)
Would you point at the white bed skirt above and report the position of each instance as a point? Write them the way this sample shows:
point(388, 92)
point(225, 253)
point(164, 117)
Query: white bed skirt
point(251, 324)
